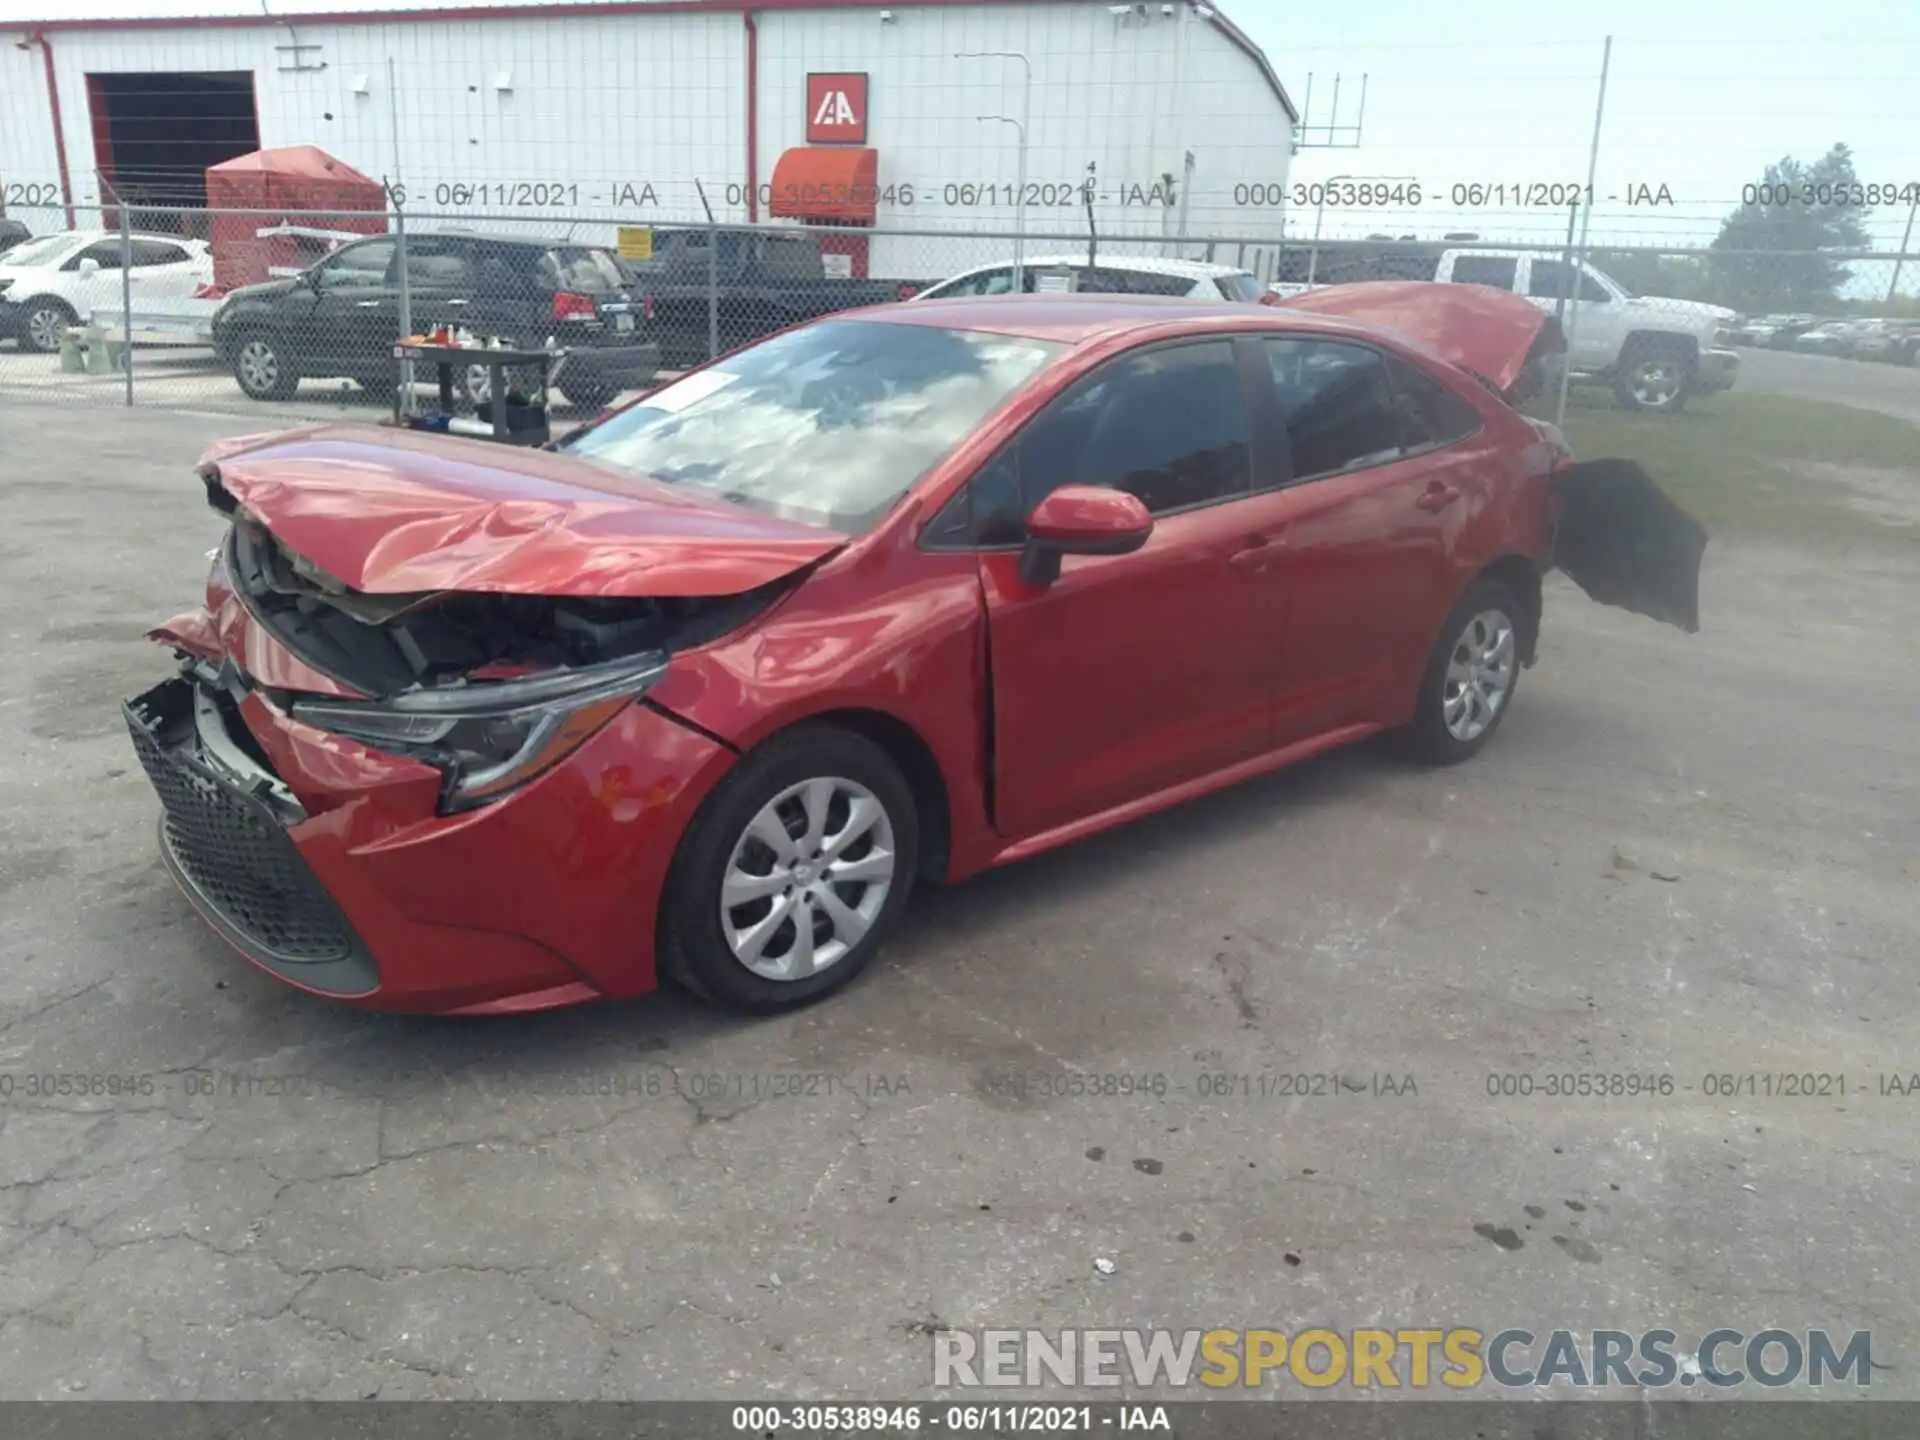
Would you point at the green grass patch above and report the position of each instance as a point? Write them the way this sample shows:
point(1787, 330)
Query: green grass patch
point(1730, 460)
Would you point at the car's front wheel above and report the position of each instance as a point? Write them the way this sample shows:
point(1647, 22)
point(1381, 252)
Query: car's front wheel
point(1470, 678)
point(793, 872)
point(43, 322)
point(263, 368)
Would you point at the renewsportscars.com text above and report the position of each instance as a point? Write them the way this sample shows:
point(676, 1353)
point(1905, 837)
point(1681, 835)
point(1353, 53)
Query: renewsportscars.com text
point(1456, 1358)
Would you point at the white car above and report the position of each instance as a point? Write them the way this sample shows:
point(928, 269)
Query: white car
point(55, 281)
point(1108, 275)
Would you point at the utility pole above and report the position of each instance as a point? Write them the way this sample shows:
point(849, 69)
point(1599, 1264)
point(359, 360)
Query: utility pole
point(1893, 287)
point(1586, 222)
point(1026, 116)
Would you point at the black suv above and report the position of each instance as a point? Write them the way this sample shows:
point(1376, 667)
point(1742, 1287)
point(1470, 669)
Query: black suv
point(342, 316)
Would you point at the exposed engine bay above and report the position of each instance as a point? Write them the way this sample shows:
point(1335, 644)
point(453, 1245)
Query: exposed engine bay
point(382, 645)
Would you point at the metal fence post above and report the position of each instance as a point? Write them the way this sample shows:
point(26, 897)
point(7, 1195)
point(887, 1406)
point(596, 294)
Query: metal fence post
point(713, 292)
point(126, 300)
point(713, 276)
point(397, 192)
point(406, 301)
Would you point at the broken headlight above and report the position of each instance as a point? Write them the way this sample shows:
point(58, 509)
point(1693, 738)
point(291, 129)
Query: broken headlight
point(489, 737)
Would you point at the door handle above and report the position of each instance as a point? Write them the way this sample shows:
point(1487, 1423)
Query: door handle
point(1437, 496)
point(366, 304)
point(1256, 553)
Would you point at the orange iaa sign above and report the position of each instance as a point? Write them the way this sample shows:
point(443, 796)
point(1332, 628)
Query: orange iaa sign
point(837, 109)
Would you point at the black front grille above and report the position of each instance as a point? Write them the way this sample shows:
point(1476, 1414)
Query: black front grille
point(229, 845)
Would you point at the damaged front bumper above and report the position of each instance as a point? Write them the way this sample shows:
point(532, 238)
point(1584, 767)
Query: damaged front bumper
point(326, 863)
point(225, 837)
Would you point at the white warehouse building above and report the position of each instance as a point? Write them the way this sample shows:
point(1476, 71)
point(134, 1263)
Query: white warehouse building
point(876, 116)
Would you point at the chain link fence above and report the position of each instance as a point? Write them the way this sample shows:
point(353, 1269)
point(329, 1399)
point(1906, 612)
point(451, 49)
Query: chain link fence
point(253, 311)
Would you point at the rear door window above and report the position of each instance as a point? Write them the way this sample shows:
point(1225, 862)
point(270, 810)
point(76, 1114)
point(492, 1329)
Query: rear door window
point(1338, 403)
point(1430, 414)
point(1495, 270)
point(157, 252)
point(439, 264)
point(1102, 280)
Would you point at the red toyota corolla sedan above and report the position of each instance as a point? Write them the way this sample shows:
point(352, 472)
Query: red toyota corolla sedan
point(704, 688)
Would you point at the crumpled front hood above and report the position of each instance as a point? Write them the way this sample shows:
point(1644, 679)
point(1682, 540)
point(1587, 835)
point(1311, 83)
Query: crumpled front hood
point(398, 512)
point(1489, 332)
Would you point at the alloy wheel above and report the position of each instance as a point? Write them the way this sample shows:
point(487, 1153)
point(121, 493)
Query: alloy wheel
point(1657, 382)
point(43, 328)
point(259, 366)
point(477, 381)
point(1479, 675)
point(808, 878)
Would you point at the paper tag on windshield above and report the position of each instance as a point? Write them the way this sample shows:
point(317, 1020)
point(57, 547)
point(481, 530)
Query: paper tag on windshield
point(1053, 284)
point(690, 391)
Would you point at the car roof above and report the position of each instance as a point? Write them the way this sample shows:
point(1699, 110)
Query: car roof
point(1144, 264)
point(1073, 319)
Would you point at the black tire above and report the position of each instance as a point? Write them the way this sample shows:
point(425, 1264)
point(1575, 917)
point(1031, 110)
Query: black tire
point(692, 946)
point(1654, 375)
point(589, 394)
point(1427, 738)
point(43, 320)
point(263, 367)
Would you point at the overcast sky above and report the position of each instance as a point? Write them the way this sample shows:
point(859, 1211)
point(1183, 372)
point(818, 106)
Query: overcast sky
point(1700, 97)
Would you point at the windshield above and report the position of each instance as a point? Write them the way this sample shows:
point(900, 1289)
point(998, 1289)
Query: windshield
point(44, 251)
point(1600, 277)
point(829, 425)
point(582, 268)
point(1241, 286)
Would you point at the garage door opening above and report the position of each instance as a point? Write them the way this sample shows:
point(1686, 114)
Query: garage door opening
point(155, 134)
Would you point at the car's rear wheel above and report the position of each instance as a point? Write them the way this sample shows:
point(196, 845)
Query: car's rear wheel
point(45, 320)
point(263, 368)
point(1653, 375)
point(1470, 678)
point(791, 876)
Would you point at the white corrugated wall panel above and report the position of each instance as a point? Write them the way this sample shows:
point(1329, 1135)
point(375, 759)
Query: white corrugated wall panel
point(617, 116)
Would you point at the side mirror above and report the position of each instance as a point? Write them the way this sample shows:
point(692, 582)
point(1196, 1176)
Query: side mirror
point(89, 266)
point(1081, 520)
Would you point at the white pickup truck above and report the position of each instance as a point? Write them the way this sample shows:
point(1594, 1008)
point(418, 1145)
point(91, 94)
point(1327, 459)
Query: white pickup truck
point(1655, 352)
